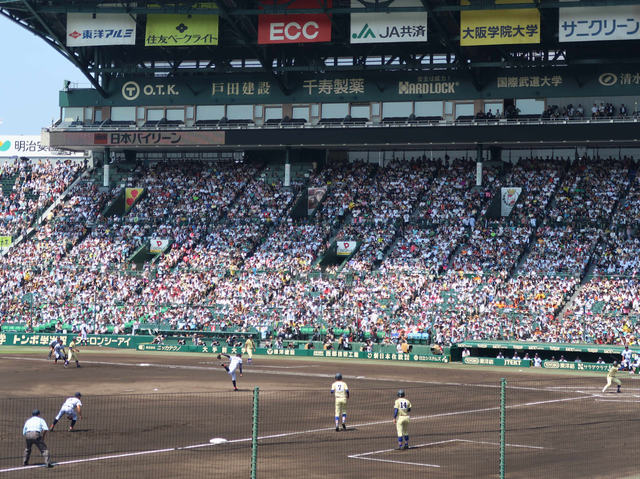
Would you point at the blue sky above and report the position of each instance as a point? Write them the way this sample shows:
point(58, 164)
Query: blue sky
point(31, 75)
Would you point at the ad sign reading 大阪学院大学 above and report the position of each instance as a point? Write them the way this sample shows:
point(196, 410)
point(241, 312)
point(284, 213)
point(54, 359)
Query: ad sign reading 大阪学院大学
point(500, 27)
point(389, 27)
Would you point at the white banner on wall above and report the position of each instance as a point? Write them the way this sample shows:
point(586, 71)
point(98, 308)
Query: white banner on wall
point(596, 24)
point(31, 147)
point(508, 199)
point(88, 29)
point(158, 244)
point(345, 248)
point(389, 27)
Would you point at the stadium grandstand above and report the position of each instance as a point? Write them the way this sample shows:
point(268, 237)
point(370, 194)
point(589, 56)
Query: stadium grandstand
point(288, 169)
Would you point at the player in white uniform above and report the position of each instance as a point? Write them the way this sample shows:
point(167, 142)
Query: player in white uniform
point(627, 355)
point(635, 364)
point(402, 408)
point(537, 361)
point(59, 353)
point(341, 392)
point(235, 362)
point(68, 408)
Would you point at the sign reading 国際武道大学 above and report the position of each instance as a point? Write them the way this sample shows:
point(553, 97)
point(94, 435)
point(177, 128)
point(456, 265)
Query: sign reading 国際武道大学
point(603, 81)
point(389, 27)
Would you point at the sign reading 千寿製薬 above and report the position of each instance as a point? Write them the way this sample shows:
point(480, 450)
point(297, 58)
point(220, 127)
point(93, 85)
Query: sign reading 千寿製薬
point(591, 24)
point(499, 27)
point(389, 27)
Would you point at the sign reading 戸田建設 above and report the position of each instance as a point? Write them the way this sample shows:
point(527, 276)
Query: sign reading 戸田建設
point(596, 24)
point(499, 27)
point(389, 27)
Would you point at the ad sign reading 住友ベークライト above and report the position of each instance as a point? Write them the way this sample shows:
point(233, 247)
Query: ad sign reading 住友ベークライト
point(181, 30)
point(100, 29)
point(389, 27)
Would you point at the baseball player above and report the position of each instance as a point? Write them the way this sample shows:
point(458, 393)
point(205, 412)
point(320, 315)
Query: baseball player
point(235, 362)
point(341, 391)
point(83, 334)
point(401, 411)
point(249, 346)
point(611, 377)
point(73, 352)
point(635, 364)
point(59, 353)
point(68, 408)
point(34, 431)
point(52, 346)
point(627, 356)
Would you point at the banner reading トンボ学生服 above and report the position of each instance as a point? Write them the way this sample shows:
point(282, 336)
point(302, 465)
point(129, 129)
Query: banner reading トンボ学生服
point(499, 27)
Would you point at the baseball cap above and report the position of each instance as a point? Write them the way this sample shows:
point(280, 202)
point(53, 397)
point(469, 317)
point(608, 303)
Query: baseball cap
point(78, 395)
point(35, 412)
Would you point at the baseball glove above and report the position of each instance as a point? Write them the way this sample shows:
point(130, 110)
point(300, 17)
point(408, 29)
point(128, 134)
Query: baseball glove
point(219, 357)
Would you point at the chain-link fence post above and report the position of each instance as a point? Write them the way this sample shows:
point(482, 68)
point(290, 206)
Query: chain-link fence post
point(254, 438)
point(503, 389)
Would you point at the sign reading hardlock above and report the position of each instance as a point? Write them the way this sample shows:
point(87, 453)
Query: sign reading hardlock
point(303, 28)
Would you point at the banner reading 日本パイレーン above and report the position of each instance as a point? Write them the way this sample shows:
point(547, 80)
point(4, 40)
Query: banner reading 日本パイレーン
point(499, 27)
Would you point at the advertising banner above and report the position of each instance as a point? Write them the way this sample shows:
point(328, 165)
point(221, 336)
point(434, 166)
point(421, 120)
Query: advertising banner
point(99, 29)
point(315, 197)
point(389, 27)
point(181, 30)
point(43, 339)
point(508, 199)
point(130, 195)
point(157, 245)
point(291, 28)
point(31, 147)
point(519, 363)
point(499, 27)
point(345, 248)
point(132, 139)
point(595, 24)
point(5, 241)
point(576, 366)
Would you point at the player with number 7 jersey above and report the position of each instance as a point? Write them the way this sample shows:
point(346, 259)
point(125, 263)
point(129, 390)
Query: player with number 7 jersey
point(401, 411)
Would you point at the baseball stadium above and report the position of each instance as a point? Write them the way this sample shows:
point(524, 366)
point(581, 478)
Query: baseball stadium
point(325, 238)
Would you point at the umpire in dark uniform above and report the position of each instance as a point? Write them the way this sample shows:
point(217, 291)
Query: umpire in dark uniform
point(34, 431)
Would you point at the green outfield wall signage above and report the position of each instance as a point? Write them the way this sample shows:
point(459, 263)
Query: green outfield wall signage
point(532, 346)
point(516, 363)
point(361, 87)
point(576, 366)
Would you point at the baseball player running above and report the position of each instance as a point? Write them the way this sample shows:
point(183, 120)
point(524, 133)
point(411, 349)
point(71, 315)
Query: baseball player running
point(611, 377)
point(69, 408)
point(249, 346)
point(341, 391)
point(52, 346)
point(73, 352)
point(59, 353)
point(235, 362)
point(401, 411)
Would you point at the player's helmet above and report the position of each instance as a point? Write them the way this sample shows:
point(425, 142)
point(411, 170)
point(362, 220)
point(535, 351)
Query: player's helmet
point(338, 377)
point(401, 393)
point(35, 412)
point(78, 395)
point(615, 363)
